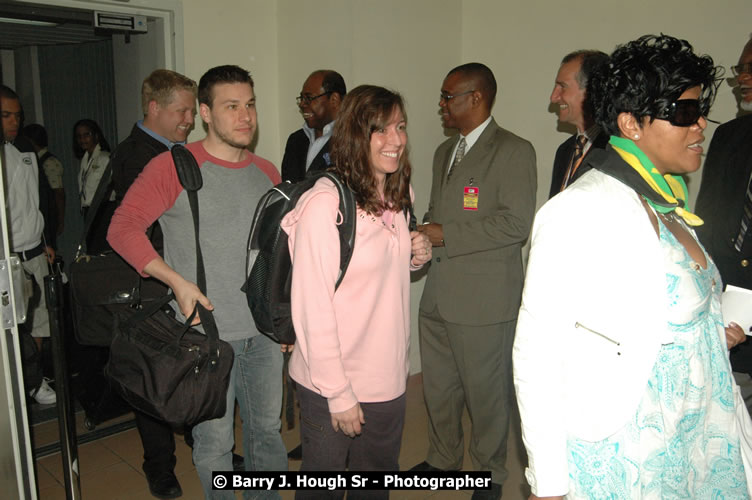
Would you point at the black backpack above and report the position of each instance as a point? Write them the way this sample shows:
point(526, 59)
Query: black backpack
point(270, 275)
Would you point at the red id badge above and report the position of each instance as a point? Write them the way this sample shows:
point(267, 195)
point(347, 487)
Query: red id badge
point(470, 198)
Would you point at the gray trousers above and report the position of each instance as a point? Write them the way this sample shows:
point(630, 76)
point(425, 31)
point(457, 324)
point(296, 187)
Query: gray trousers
point(467, 366)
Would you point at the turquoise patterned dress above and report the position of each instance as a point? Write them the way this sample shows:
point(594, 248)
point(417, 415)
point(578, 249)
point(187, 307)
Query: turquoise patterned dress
point(681, 442)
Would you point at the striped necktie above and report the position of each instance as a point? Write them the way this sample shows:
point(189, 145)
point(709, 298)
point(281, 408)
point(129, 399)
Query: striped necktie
point(457, 156)
point(746, 217)
point(579, 149)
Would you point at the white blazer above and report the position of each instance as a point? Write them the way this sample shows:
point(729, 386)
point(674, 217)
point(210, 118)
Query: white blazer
point(593, 318)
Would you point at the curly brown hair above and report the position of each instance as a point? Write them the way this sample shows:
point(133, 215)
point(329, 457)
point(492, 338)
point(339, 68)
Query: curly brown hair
point(364, 110)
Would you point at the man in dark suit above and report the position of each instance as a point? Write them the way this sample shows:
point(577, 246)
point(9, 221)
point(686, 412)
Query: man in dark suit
point(307, 149)
point(724, 195)
point(569, 96)
point(168, 100)
point(480, 213)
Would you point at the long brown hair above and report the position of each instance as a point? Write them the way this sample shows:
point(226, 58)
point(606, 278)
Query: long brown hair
point(365, 109)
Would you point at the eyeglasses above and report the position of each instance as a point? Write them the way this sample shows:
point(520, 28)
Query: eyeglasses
point(683, 113)
point(446, 97)
point(742, 68)
point(308, 99)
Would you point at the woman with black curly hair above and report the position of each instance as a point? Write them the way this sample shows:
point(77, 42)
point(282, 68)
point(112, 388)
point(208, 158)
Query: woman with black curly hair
point(621, 366)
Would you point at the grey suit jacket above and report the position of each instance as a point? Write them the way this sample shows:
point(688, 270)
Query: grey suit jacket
point(476, 278)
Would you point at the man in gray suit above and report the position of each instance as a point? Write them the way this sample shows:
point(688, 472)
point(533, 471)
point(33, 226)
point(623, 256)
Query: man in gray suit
point(480, 213)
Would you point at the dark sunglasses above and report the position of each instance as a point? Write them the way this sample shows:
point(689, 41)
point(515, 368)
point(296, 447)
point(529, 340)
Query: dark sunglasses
point(683, 113)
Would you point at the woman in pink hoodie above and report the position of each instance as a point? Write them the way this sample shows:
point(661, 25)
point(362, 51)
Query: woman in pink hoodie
point(351, 361)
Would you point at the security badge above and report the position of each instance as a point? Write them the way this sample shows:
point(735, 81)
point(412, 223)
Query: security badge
point(470, 197)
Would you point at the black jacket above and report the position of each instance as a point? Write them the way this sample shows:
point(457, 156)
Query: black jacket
point(564, 156)
point(296, 151)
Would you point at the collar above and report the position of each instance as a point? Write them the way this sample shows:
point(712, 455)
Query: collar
point(591, 133)
point(325, 134)
point(472, 137)
point(154, 135)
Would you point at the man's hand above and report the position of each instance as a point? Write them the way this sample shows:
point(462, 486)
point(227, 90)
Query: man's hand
point(435, 233)
point(349, 421)
point(734, 335)
point(187, 295)
point(420, 247)
point(286, 347)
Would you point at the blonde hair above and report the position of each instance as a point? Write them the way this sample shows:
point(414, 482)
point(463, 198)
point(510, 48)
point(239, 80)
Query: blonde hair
point(160, 85)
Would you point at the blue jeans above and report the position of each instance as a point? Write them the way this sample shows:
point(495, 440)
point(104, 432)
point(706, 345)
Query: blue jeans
point(256, 383)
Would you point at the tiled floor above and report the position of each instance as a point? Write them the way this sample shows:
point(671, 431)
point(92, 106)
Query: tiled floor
point(111, 466)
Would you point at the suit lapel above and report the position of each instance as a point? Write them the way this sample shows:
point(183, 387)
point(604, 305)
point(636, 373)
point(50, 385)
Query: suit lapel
point(476, 153)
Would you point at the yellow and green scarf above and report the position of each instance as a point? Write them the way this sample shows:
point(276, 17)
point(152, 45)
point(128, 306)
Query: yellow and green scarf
point(665, 193)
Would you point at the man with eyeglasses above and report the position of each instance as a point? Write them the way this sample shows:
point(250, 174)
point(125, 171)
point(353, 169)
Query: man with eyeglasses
point(725, 204)
point(569, 96)
point(479, 216)
point(307, 149)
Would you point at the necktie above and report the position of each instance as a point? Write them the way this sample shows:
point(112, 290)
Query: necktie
point(579, 149)
point(457, 156)
point(746, 217)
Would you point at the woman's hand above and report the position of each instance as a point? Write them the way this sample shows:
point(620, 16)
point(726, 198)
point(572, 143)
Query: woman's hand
point(734, 335)
point(420, 248)
point(286, 347)
point(349, 421)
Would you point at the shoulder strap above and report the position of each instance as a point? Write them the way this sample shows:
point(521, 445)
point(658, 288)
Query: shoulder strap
point(190, 178)
point(347, 208)
point(44, 157)
point(412, 222)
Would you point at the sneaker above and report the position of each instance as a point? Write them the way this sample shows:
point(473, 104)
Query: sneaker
point(44, 395)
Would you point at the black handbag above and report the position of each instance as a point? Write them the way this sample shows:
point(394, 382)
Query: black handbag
point(103, 285)
point(164, 367)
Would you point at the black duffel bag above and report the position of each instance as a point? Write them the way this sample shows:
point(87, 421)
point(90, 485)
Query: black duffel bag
point(169, 370)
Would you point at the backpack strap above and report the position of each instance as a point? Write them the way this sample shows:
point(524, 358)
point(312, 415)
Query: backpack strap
point(348, 210)
point(44, 157)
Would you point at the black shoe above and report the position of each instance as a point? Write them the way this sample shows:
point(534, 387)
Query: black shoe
point(425, 467)
point(493, 494)
point(238, 463)
point(165, 485)
point(296, 453)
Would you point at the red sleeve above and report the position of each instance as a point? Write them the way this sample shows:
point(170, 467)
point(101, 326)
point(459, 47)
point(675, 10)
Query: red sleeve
point(153, 192)
point(268, 168)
